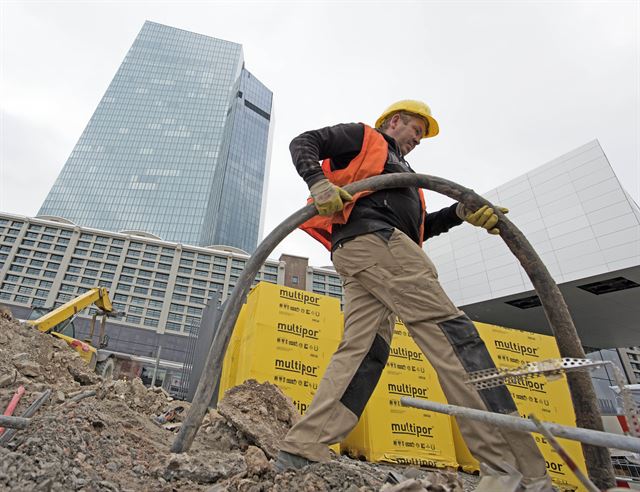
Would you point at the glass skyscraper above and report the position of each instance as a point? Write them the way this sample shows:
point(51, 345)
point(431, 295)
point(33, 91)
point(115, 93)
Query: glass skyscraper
point(178, 147)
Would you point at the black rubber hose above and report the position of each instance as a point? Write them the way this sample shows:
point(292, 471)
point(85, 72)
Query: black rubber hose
point(582, 392)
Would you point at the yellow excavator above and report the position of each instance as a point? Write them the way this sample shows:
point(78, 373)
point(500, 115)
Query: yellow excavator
point(59, 323)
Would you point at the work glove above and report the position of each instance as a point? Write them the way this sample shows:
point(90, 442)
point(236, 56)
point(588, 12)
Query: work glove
point(483, 217)
point(328, 198)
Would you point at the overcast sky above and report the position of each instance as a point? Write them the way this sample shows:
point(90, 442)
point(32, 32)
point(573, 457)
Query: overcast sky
point(512, 84)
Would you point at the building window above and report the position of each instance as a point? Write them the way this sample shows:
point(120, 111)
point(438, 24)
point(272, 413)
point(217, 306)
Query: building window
point(173, 327)
point(294, 280)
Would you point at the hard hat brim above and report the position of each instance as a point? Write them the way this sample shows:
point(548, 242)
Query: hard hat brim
point(433, 130)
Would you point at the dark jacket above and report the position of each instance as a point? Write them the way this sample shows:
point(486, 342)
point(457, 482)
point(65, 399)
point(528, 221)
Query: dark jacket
point(383, 210)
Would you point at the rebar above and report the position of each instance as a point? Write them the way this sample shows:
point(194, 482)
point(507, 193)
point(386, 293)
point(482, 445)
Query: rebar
point(29, 412)
point(14, 422)
point(587, 436)
point(573, 466)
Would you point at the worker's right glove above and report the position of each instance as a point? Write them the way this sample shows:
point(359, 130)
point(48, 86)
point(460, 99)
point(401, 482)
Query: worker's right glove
point(483, 217)
point(328, 198)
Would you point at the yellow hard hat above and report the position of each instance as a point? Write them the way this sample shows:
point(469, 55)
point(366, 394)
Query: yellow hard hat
point(412, 106)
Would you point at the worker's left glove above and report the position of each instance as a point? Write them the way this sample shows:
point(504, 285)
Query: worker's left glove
point(483, 217)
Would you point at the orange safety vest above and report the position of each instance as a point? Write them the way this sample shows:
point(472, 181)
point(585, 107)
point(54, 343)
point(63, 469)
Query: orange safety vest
point(369, 162)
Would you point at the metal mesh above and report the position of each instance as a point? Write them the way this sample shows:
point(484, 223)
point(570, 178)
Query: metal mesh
point(490, 378)
point(189, 357)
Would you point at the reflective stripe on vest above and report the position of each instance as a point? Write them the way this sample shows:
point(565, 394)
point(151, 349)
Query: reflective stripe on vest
point(369, 162)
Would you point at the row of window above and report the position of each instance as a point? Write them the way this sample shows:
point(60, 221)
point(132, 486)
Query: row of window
point(139, 292)
point(317, 287)
point(33, 243)
point(320, 278)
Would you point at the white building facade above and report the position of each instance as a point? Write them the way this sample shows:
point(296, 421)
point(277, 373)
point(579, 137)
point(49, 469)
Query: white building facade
point(585, 228)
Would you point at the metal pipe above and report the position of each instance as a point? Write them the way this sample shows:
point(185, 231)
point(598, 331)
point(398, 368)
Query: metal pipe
point(29, 412)
point(573, 466)
point(582, 392)
point(92, 327)
point(595, 438)
point(14, 422)
point(13, 404)
point(81, 396)
point(155, 367)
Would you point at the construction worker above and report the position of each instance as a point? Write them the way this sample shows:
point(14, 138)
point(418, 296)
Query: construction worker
point(375, 241)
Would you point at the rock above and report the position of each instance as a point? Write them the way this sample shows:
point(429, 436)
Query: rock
point(26, 366)
point(192, 467)
point(177, 461)
point(256, 461)
point(8, 378)
point(246, 485)
point(108, 485)
point(218, 488)
point(265, 431)
point(59, 396)
point(82, 377)
point(45, 485)
point(411, 485)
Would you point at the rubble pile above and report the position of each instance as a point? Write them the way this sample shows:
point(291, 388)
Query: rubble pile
point(261, 412)
point(93, 434)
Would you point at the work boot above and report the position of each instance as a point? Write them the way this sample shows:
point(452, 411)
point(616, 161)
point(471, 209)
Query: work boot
point(506, 479)
point(542, 484)
point(287, 461)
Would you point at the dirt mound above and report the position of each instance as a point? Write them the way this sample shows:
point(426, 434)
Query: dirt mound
point(93, 434)
point(261, 412)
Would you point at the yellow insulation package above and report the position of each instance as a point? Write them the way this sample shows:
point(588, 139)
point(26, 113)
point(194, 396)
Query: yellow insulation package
point(287, 336)
point(549, 400)
point(392, 433)
point(284, 336)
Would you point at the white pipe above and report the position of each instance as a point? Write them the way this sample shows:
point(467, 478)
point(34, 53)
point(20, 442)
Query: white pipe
point(587, 436)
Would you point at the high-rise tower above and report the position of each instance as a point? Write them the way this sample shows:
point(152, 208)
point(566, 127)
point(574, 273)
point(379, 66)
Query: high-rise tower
point(178, 146)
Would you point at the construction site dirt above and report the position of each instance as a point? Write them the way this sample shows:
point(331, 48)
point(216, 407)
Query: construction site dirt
point(97, 435)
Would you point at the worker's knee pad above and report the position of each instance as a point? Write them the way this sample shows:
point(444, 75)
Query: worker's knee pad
point(474, 356)
point(366, 378)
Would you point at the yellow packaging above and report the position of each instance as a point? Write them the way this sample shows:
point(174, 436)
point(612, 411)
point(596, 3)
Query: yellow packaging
point(280, 304)
point(230, 362)
point(392, 433)
point(286, 337)
point(549, 400)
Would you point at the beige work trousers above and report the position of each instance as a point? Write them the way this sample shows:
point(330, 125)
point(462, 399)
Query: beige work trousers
point(383, 279)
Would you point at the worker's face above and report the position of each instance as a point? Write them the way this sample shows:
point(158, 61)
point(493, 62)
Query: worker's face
point(407, 131)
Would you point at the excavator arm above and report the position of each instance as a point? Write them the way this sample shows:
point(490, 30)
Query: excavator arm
point(97, 296)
